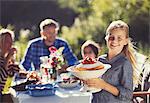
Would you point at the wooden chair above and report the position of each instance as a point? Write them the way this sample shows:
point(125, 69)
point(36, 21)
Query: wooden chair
point(143, 96)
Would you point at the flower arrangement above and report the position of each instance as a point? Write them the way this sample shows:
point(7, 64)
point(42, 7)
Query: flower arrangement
point(56, 59)
point(50, 64)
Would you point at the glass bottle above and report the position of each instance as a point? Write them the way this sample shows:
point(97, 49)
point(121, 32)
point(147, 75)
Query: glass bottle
point(54, 74)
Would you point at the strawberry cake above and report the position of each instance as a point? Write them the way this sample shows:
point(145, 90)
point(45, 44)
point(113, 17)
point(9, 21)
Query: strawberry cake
point(89, 64)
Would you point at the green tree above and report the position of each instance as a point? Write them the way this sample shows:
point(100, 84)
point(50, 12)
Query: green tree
point(22, 43)
point(95, 15)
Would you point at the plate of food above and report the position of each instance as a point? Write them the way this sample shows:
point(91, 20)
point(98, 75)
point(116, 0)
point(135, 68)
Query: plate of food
point(68, 81)
point(68, 84)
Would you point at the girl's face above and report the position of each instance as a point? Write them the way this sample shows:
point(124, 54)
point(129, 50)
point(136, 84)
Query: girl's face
point(116, 40)
point(88, 52)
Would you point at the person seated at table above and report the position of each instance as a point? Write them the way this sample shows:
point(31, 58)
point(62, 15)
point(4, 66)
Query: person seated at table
point(40, 46)
point(117, 82)
point(7, 64)
point(90, 49)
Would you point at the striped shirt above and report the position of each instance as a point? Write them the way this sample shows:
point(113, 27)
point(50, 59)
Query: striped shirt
point(37, 48)
point(3, 74)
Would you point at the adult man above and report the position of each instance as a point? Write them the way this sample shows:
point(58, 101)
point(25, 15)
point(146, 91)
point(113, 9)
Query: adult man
point(39, 46)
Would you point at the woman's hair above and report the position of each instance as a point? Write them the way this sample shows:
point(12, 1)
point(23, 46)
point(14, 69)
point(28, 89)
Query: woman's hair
point(128, 50)
point(3, 34)
point(89, 43)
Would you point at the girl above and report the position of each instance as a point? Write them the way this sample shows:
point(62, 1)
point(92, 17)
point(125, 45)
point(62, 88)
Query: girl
point(90, 49)
point(7, 66)
point(117, 82)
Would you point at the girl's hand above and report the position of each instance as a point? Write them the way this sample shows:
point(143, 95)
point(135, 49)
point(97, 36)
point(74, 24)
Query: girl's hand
point(101, 84)
point(96, 83)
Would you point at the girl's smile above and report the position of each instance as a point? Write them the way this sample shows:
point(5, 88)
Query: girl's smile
point(116, 40)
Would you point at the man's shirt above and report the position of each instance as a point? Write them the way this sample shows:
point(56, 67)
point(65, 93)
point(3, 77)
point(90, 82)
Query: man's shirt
point(37, 48)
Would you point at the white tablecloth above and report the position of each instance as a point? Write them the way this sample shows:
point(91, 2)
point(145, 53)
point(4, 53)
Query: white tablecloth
point(61, 96)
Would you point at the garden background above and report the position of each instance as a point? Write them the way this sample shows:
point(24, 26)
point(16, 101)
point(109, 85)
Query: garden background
point(79, 20)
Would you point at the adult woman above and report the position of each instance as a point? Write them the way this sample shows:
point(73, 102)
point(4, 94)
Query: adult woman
point(117, 82)
point(7, 66)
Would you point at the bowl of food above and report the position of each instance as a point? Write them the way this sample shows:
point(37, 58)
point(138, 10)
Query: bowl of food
point(68, 84)
point(88, 69)
point(68, 81)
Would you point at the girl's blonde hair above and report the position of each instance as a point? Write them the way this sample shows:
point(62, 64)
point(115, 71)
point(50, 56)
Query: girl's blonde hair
point(128, 49)
point(3, 34)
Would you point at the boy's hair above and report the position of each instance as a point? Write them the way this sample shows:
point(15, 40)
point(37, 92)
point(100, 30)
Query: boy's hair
point(48, 22)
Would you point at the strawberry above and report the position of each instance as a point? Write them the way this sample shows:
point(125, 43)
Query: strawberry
point(88, 61)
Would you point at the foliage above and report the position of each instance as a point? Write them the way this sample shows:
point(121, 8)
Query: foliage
point(79, 6)
point(22, 43)
point(144, 49)
point(102, 12)
point(9, 26)
point(93, 19)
